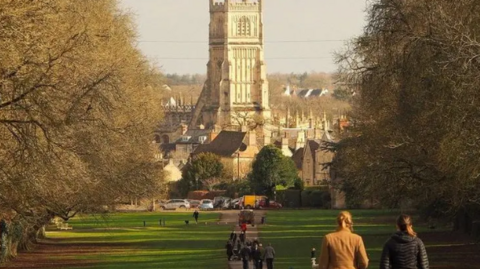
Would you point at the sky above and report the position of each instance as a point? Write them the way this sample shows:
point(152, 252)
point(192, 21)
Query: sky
point(300, 35)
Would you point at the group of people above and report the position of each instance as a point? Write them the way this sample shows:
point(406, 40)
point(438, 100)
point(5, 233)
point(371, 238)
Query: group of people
point(344, 249)
point(249, 251)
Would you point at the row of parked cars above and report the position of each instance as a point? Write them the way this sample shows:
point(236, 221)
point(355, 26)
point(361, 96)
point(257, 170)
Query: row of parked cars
point(220, 203)
point(204, 204)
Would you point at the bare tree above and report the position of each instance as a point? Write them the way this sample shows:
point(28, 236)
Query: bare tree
point(78, 104)
point(415, 69)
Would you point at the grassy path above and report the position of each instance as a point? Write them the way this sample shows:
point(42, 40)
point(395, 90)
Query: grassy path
point(252, 231)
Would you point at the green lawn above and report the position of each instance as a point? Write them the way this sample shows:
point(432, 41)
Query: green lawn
point(293, 233)
point(122, 241)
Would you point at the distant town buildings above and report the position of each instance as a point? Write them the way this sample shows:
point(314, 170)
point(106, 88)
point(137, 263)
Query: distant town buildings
point(304, 93)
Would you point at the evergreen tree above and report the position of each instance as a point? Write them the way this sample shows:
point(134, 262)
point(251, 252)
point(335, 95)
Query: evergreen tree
point(271, 168)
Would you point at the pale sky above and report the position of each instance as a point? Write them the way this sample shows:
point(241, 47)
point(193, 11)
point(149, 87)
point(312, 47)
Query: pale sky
point(300, 35)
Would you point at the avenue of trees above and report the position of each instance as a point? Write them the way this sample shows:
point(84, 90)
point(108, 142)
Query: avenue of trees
point(416, 115)
point(78, 103)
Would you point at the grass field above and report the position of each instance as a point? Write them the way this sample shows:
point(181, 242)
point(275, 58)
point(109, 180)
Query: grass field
point(121, 241)
point(294, 233)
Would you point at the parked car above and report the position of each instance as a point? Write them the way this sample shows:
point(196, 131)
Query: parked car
point(235, 203)
point(194, 203)
point(176, 203)
point(219, 201)
point(205, 204)
point(272, 204)
point(226, 203)
point(161, 202)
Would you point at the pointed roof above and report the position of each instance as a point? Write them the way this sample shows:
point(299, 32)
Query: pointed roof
point(298, 158)
point(225, 144)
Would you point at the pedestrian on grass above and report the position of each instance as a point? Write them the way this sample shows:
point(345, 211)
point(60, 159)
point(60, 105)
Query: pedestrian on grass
point(404, 249)
point(269, 255)
point(262, 256)
point(243, 227)
point(246, 255)
point(243, 237)
point(232, 234)
point(229, 247)
point(343, 248)
point(255, 242)
point(256, 257)
point(195, 216)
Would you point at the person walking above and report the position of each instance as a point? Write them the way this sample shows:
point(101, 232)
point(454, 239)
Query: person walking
point(404, 249)
point(243, 227)
point(229, 247)
point(269, 256)
point(343, 248)
point(255, 242)
point(262, 256)
point(246, 255)
point(233, 236)
point(195, 216)
point(256, 257)
point(243, 237)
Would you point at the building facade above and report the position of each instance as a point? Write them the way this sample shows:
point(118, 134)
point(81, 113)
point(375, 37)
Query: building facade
point(236, 73)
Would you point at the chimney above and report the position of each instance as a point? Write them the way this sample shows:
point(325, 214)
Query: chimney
point(267, 137)
point(184, 128)
point(267, 140)
point(212, 135)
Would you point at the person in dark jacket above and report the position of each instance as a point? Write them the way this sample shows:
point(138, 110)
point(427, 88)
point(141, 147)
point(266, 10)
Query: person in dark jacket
point(404, 250)
point(233, 237)
point(258, 255)
point(229, 247)
point(255, 242)
point(195, 216)
point(242, 237)
point(246, 254)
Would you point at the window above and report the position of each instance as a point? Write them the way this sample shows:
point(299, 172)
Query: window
point(243, 27)
point(186, 138)
point(202, 139)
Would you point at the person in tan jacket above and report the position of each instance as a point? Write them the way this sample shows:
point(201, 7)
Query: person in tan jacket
point(343, 249)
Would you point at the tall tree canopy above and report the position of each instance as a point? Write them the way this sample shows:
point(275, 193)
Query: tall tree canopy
point(417, 108)
point(202, 172)
point(270, 169)
point(78, 104)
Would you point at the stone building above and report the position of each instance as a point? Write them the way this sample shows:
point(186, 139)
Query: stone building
point(236, 71)
point(237, 151)
point(177, 113)
point(310, 161)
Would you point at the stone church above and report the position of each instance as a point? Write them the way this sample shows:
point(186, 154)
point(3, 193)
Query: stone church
point(236, 86)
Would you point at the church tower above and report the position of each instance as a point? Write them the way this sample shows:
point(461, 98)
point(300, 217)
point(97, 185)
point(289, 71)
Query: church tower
point(236, 86)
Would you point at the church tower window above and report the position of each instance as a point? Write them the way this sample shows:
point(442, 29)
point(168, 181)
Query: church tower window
point(243, 27)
